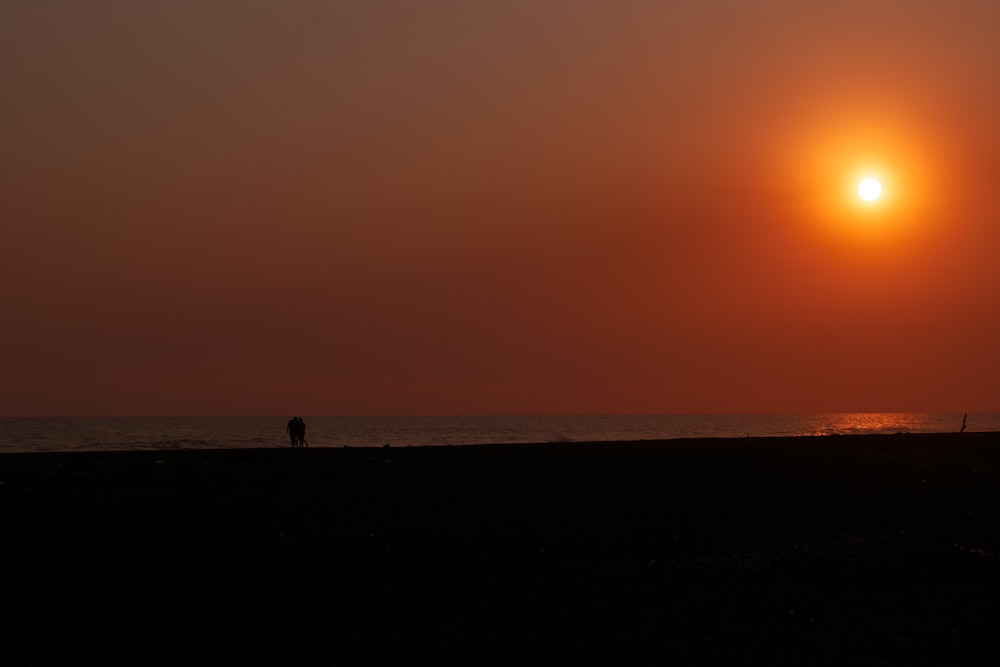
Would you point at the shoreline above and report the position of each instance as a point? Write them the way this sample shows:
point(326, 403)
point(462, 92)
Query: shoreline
point(152, 433)
point(282, 445)
point(861, 549)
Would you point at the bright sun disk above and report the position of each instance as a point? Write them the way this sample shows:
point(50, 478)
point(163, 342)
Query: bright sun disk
point(869, 189)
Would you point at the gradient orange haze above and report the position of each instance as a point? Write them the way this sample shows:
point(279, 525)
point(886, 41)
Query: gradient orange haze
point(498, 207)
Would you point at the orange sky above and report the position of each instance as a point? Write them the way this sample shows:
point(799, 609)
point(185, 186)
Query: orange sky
point(528, 206)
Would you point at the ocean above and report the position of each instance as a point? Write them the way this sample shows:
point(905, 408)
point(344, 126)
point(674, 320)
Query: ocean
point(168, 433)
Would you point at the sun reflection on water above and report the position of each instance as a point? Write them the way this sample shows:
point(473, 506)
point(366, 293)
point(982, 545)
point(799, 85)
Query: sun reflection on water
point(871, 422)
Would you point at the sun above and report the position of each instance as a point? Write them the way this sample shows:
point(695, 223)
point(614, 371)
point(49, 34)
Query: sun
point(869, 189)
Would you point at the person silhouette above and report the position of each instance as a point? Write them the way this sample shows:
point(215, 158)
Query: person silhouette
point(293, 430)
point(302, 432)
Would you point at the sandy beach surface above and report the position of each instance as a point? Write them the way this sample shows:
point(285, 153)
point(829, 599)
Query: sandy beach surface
point(872, 550)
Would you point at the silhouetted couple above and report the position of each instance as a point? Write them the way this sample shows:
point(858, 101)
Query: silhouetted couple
point(297, 432)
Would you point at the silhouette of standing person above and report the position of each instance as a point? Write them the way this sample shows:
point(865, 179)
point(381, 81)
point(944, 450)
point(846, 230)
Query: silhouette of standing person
point(302, 432)
point(293, 430)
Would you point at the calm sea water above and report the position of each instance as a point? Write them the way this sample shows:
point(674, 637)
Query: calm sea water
point(161, 433)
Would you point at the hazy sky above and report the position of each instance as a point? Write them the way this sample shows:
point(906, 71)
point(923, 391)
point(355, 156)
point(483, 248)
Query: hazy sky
point(518, 206)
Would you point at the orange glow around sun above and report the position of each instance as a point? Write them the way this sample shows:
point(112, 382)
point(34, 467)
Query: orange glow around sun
point(864, 180)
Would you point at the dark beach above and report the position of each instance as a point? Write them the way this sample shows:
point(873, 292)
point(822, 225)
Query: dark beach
point(827, 550)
